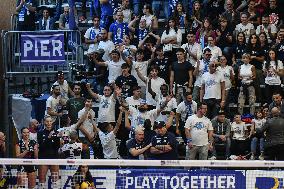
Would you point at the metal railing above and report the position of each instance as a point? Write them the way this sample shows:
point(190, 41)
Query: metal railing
point(22, 77)
point(12, 54)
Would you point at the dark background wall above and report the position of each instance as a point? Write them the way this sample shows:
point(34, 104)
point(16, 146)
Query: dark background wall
point(7, 8)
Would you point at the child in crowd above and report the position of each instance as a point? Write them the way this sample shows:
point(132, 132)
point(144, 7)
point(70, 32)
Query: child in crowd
point(256, 139)
point(239, 133)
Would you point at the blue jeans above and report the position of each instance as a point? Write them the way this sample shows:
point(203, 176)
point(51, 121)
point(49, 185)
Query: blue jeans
point(254, 143)
point(217, 140)
point(157, 6)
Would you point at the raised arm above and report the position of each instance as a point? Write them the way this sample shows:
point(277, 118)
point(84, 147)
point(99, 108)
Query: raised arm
point(131, 23)
point(153, 94)
point(140, 75)
point(118, 122)
point(93, 94)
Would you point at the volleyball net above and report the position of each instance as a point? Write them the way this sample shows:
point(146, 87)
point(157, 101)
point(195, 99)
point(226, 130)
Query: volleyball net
point(140, 174)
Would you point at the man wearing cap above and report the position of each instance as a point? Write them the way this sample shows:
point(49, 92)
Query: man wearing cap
point(64, 87)
point(222, 133)
point(164, 144)
point(136, 146)
point(126, 81)
point(198, 131)
point(114, 65)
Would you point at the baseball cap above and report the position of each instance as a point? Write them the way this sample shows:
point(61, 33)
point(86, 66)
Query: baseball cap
point(159, 124)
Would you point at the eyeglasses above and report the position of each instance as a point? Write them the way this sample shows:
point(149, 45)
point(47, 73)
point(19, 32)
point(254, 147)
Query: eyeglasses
point(106, 89)
point(208, 54)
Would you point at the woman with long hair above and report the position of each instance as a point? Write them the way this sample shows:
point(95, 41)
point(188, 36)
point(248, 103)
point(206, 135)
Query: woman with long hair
point(171, 39)
point(228, 73)
point(204, 32)
point(151, 20)
point(26, 148)
point(197, 17)
point(257, 58)
point(82, 179)
point(264, 43)
point(181, 16)
point(273, 70)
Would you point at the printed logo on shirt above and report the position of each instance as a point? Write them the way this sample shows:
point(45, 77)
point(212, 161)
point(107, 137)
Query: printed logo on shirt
point(199, 125)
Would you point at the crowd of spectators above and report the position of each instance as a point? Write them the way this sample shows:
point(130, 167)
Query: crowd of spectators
point(163, 90)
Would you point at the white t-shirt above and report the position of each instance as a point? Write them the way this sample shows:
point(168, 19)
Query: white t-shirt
point(53, 104)
point(171, 105)
point(215, 51)
point(109, 145)
point(67, 130)
point(202, 70)
point(138, 118)
point(226, 72)
point(199, 128)
point(173, 33)
point(142, 67)
point(114, 70)
point(273, 30)
point(106, 109)
point(246, 73)
point(87, 124)
point(246, 29)
point(258, 122)
point(182, 110)
point(107, 46)
point(212, 85)
point(73, 150)
point(133, 102)
point(155, 85)
point(193, 48)
point(272, 78)
point(238, 130)
point(148, 19)
point(63, 89)
point(88, 36)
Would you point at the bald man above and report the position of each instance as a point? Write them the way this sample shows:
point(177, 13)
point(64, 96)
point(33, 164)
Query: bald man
point(274, 128)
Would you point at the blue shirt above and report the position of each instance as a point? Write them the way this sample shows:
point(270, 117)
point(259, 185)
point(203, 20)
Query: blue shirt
point(118, 31)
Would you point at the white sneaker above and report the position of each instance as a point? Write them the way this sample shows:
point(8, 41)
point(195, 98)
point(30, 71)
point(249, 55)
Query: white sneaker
point(212, 158)
point(252, 157)
point(261, 157)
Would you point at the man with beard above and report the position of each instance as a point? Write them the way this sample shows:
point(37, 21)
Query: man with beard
point(64, 87)
point(269, 29)
point(136, 146)
point(53, 103)
point(186, 108)
point(105, 44)
point(164, 144)
point(75, 104)
point(139, 115)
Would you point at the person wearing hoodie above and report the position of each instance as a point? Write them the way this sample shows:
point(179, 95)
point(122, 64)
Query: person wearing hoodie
point(221, 133)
